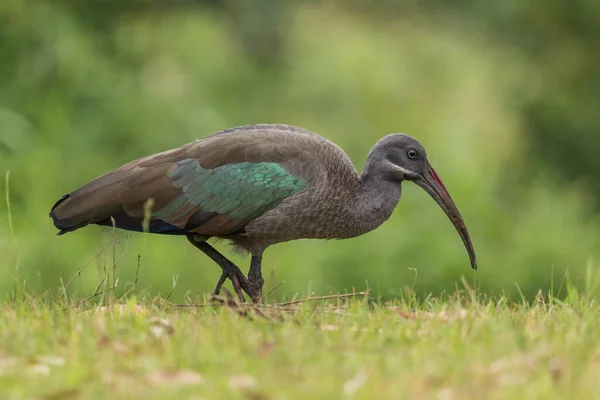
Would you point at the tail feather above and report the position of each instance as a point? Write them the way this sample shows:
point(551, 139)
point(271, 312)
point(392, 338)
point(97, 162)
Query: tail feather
point(67, 224)
point(120, 194)
point(65, 197)
point(89, 204)
point(58, 223)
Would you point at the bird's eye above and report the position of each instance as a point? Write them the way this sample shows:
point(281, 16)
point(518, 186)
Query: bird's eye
point(412, 154)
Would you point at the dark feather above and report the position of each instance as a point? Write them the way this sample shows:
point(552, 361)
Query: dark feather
point(124, 221)
point(199, 218)
point(214, 186)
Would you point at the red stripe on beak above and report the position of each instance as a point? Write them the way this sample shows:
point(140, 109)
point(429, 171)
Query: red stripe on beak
point(438, 180)
point(431, 182)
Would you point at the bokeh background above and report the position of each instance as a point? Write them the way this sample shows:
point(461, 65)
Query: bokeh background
point(504, 95)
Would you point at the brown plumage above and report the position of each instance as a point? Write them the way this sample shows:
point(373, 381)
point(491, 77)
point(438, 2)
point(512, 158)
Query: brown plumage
point(256, 185)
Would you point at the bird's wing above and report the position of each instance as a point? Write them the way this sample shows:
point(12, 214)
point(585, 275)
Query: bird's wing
point(212, 187)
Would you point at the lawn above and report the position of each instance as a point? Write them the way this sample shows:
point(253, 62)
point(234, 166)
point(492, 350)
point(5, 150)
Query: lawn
point(461, 347)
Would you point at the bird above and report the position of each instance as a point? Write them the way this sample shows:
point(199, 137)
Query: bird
point(256, 186)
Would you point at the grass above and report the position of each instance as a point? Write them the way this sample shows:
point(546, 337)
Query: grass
point(129, 346)
point(457, 348)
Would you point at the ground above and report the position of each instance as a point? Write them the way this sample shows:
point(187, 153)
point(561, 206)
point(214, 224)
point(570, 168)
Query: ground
point(462, 347)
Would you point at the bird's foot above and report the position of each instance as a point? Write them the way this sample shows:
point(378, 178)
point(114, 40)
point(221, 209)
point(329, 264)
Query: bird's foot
point(240, 284)
point(256, 283)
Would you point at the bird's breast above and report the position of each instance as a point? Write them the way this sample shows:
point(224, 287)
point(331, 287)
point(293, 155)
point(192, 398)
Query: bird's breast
point(320, 213)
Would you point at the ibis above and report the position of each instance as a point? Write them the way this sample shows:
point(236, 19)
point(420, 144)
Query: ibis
point(256, 186)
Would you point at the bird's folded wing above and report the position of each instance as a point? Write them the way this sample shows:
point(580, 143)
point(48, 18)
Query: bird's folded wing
point(213, 187)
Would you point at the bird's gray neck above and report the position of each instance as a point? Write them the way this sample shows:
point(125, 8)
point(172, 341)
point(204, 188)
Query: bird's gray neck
point(374, 201)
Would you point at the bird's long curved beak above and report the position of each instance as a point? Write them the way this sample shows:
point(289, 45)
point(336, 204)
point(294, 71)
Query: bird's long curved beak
point(432, 184)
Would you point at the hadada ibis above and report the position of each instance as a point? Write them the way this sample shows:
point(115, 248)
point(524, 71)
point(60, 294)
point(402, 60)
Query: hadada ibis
point(257, 185)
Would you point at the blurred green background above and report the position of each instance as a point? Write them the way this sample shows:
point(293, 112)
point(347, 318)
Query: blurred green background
point(503, 94)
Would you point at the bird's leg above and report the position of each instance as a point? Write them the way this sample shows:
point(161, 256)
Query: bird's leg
point(255, 277)
point(230, 270)
point(220, 283)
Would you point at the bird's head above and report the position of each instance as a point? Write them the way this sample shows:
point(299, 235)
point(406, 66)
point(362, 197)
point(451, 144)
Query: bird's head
point(401, 157)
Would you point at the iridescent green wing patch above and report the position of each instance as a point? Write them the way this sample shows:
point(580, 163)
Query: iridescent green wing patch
point(242, 191)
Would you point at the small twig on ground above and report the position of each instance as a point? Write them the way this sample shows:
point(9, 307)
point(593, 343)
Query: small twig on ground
point(272, 307)
point(125, 252)
point(78, 273)
point(245, 305)
point(114, 249)
point(344, 296)
point(113, 269)
point(97, 293)
point(274, 289)
point(175, 278)
point(39, 296)
point(137, 271)
point(232, 303)
point(241, 308)
point(62, 285)
point(100, 285)
point(7, 191)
